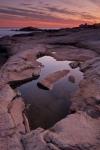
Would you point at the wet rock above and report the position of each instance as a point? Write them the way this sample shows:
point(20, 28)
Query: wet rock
point(48, 82)
point(71, 79)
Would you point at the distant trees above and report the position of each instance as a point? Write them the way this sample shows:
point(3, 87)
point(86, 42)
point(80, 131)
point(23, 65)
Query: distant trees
point(94, 26)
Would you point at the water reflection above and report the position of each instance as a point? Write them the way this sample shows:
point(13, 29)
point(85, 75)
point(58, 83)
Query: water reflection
point(48, 107)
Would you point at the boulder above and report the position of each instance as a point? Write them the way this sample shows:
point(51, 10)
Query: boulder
point(76, 132)
point(49, 81)
point(20, 67)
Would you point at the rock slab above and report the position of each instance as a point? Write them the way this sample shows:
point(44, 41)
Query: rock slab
point(48, 81)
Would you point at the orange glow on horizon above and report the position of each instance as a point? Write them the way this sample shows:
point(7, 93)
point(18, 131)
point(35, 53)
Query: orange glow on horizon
point(40, 24)
point(48, 14)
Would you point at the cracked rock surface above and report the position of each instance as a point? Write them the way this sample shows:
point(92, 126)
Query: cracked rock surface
point(80, 130)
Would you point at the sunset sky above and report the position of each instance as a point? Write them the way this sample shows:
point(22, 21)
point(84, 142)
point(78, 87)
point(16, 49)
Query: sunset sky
point(48, 13)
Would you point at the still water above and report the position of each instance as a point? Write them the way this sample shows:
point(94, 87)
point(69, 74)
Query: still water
point(46, 107)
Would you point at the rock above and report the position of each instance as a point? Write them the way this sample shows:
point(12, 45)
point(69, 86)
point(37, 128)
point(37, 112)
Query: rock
point(48, 82)
point(91, 44)
point(9, 137)
point(74, 64)
point(16, 109)
point(26, 123)
point(34, 140)
point(36, 71)
point(87, 97)
point(6, 96)
point(73, 54)
point(20, 67)
point(27, 29)
point(10, 142)
point(77, 131)
point(71, 79)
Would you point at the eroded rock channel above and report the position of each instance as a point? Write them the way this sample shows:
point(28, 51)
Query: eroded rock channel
point(46, 107)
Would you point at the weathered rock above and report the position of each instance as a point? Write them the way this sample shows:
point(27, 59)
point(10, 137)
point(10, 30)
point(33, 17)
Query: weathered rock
point(20, 67)
point(6, 96)
point(26, 123)
point(91, 68)
point(87, 98)
point(79, 131)
point(9, 137)
point(34, 140)
point(76, 132)
point(48, 82)
point(74, 64)
point(10, 142)
point(91, 44)
point(16, 108)
point(73, 54)
point(37, 71)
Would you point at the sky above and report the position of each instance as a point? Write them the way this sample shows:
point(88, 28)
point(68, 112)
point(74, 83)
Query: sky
point(48, 13)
